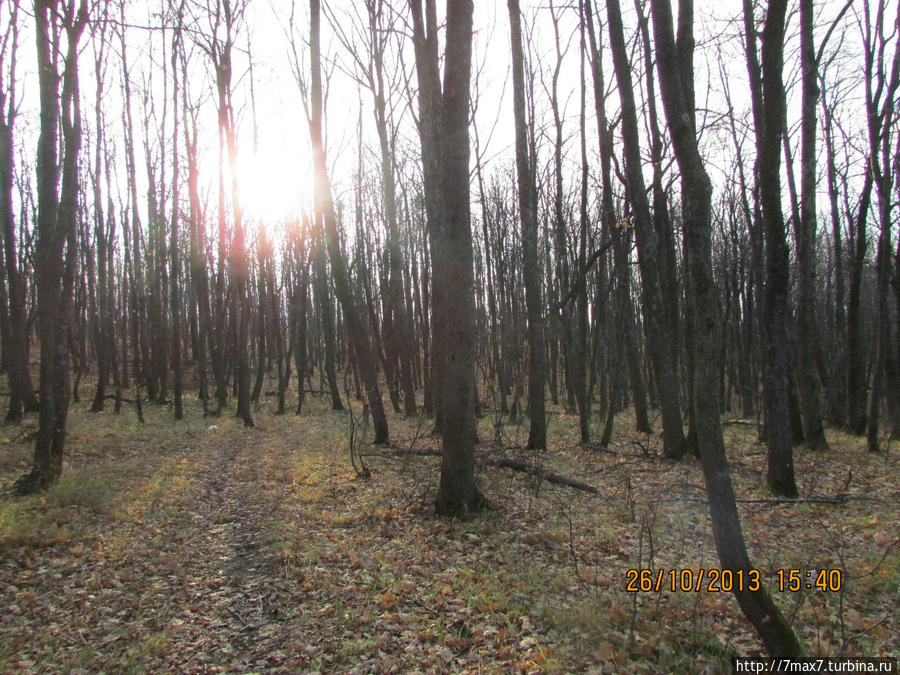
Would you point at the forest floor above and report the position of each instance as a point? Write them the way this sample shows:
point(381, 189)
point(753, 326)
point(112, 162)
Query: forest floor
point(202, 546)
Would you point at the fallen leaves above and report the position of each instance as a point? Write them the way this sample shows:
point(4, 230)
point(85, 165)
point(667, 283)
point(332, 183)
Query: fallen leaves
point(259, 551)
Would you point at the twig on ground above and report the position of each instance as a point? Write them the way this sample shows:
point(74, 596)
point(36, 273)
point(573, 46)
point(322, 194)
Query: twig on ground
point(837, 499)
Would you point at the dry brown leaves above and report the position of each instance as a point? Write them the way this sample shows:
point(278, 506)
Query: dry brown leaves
point(231, 550)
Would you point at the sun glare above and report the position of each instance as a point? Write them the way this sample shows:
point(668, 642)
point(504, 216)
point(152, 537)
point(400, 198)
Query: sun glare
point(273, 186)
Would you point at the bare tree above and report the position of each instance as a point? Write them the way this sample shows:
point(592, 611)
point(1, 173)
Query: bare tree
point(56, 245)
point(325, 208)
point(174, 253)
point(674, 442)
point(769, 111)
point(537, 434)
point(677, 88)
point(444, 121)
point(805, 228)
point(15, 337)
point(228, 17)
point(884, 160)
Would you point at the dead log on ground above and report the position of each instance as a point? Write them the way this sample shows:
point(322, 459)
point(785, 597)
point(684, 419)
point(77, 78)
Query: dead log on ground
point(500, 462)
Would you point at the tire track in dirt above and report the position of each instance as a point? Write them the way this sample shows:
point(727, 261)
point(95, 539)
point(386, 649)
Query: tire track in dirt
point(234, 606)
point(180, 576)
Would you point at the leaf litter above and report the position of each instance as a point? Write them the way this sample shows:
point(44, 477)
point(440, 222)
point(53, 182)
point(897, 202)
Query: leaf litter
point(233, 550)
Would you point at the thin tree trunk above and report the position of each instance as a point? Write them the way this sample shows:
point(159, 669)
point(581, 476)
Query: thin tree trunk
point(757, 605)
point(810, 399)
point(537, 434)
point(15, 345)
point(325, 207)
point(674, 442)
point(768, 98)
point(174, 255)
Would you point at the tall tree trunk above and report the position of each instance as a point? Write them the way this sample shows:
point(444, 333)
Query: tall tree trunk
point(238, 263)
point(325, 207)
point(881, 88)
point(757, 605)
point(55, 251)
point(768, 97)
point(15, 346)
point(578, 353)
point(537, 434)
point(674, 442)
point(607, 216)
point(137, 287)
point(174, 254)
point(444, 121)
point(99, 293)
point(808, 379)
point(425, 43)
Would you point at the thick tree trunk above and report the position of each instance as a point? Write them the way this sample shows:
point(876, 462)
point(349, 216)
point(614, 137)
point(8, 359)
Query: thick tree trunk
point(457, 494)
point(443, 129)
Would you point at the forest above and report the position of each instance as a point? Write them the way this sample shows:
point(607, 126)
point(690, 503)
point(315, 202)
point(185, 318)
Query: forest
point(402, 336)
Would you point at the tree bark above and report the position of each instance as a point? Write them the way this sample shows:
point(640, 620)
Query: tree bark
point(758, 607)
point(174, 253)
point(325, 207)
point(15, 346)
point(807, 340)
point(674, 442)
point(537, 433)
point(767, 92)
point(55, 251)
point(881, 88)
point(443, 116)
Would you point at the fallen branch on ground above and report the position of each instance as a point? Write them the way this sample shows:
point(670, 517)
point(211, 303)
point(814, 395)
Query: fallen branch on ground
point(500, 462)
point(747, 423)
point(555, 478)
point(842, 498)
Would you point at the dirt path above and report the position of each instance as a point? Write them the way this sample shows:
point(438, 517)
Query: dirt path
point(229, 605)
point(183, 579)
